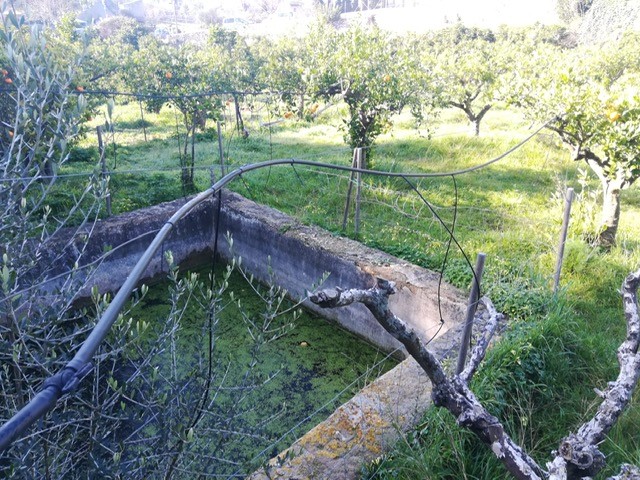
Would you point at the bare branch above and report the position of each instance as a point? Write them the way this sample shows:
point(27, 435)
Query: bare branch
point(480, 350)
point(627, 472)
point(578, 455)
point(376, 300)
point(452, 393)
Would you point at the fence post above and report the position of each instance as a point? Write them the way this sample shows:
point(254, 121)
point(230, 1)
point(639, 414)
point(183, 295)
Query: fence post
point(563, 238)
point(220, 151)
point(472, 305)
point(360, 165)
point(144, 125)
point(103, 167)
point(354, 163)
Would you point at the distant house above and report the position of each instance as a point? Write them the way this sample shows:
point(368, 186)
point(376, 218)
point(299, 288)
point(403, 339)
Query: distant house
point(97, 10)
point(135, 9)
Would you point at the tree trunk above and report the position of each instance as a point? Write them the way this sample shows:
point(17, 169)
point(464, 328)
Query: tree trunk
point(475, 127)
point(610, 213)
point(301, 106)
point(476, 119)
point(239, 120)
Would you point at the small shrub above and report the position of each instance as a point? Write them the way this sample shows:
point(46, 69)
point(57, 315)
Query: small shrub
point(84, 155)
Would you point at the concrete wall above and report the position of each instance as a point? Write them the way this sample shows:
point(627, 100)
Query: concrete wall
point(125, 237)
point(298, 257)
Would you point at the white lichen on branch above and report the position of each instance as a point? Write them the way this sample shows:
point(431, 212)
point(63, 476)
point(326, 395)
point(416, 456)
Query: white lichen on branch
point(578, 455)
point(452, 392)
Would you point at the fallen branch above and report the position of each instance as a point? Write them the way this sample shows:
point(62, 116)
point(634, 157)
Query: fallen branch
point(578, 456)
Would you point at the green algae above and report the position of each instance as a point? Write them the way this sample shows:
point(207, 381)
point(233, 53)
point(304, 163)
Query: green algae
point(287, 385)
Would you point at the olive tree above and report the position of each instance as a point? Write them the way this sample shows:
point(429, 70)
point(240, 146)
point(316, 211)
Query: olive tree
point(138, 395)
point(42, 118)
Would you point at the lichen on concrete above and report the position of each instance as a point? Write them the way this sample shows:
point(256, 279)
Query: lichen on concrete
point(363, 428)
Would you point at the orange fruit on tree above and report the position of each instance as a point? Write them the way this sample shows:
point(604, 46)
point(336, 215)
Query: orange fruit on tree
point(387, 78)
point(288, 115)
point(8, 80)
point(613, 115)
point(80, 88)
point(168, 75)
point(4, 72)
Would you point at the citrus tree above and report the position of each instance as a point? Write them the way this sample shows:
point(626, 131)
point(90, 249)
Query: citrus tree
point(230, 59)
point(183, 77)
point(468, 67)
point(285, 71)
point(594, 101)
point(374, 73)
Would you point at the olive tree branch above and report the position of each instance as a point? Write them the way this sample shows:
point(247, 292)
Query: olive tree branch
point(578, 456)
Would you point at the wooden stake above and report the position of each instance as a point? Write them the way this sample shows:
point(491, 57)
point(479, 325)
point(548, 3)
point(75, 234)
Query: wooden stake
point(354, 161)
point(144, 126)
point(220, 151)
point(103, 166)
point(359, 165)
point(472, 305)
point(563, 238)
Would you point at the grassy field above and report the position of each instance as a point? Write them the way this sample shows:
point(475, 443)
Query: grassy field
point(540, 378)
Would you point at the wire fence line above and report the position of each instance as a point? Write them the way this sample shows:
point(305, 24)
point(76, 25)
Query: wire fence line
point(65, 381)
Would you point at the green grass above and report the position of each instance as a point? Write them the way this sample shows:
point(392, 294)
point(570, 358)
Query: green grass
point(540, 378)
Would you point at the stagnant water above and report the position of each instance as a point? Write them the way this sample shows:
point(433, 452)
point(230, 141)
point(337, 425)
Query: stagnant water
point(261, 399)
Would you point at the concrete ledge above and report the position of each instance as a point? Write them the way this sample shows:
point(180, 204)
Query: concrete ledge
point(365, 427)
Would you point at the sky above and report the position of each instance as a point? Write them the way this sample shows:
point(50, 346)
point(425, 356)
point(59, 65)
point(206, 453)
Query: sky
point(433, 13)
point(487, 13)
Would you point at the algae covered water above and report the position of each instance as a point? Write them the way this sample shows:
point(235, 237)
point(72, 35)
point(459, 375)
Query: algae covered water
point(261, 388)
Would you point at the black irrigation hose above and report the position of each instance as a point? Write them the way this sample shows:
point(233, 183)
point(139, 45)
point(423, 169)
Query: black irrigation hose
point(67, 379)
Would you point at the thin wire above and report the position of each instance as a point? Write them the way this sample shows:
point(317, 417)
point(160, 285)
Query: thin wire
point(167, 96)
point(449, 231)
point(404, 176)
point(99, 331)
point(270, 139)
point(111, 173)
point(210, 317)
point(246, 185)
point(297, 176)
